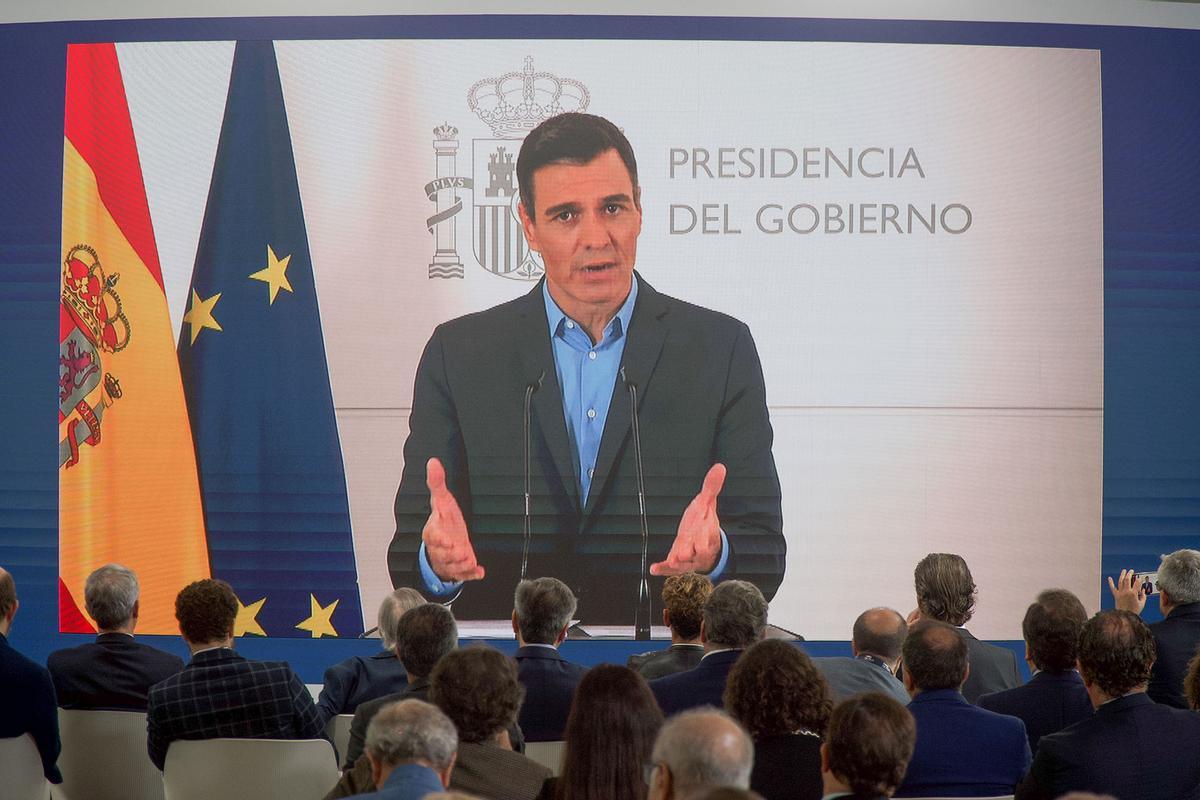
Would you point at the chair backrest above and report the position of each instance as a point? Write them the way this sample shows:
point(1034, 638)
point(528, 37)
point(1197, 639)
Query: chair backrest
point(338, 731)
point(21, 765)
point(548, 754)
point(104, 756)
point(249, 769)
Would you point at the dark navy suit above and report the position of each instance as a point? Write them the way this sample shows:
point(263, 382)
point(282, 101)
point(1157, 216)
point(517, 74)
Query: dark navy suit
point(1047, 704)
point(359, 679)
point(703, 685)
point(27, 706)
point(114, 672)
point(1176, 639)
point(549, 681)
point(1132, 748)
point(962, 750)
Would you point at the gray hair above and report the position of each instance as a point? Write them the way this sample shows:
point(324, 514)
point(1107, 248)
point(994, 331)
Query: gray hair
point(544, 607)
point(1179, 576)
point(704, 747)
point(110, 594)
point(735, 614)
point(412, 730)
point(392, 609)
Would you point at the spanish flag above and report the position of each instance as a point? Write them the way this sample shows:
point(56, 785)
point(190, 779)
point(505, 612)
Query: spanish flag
point(128, 487)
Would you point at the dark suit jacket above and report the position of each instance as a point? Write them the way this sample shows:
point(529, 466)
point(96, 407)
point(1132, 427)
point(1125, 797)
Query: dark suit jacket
point(703, 685)
point(993, 668)
point(483, 770)
point(1047, 704)
point(1132, 748)
point(549, 681)
point(358, 679)
point(676, 658)
point(417, 690)
point(787, 767)
point(963, 751)
point(701, 400)
point(114, 672)
point(27, 705)
point(1176, 639)
point(220, 694)
point(851, 676)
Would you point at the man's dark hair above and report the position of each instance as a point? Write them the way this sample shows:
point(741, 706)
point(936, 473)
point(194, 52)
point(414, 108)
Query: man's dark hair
point(945, 589)
point(880, 632)
point(544, 607)
point(935, 656)
point(206, 610)
point(571, 138)
point(735, 614)
point(478, 690)
point(8, 592)
point(1116, 652)
point(423, 635)
point(683, 596)
point(774, 689)
point(1051, 629)
point(870, 741)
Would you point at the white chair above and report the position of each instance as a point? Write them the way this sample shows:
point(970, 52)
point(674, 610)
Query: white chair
point(21, 768)
point(548, 754)
point(338, 731)
point(249, 769)
point(104, 756)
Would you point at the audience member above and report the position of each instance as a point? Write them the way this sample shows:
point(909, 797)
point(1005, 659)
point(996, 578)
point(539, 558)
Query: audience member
point(362, 678)
point(1191, 684)
point(783, 702)
point(961, 750)
point(696, 751)
point(1132, 747)
point(729, 793)
point(946, 593)
point(542, 611)
point(1055, 696)
point(875, 646)
point(115, 671)
point(219, 693)
point(735, 617)
point(867, 747)
point(1177, 635)
point(27, 702)
point(423, 635)
point(411, 747)
point(683, 598)
point(609, 738)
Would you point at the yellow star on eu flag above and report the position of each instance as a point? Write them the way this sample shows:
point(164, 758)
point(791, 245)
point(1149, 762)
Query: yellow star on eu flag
point(247, 619)
point(199, 316)
point(274, 274)
point(320, 622)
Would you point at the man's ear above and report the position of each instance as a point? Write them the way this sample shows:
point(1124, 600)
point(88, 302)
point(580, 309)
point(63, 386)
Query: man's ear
point(562, 635)
point(703, 633)
point(824, 756)
point(12, 612)
point(666, 618)
point(909, 684)
point(137, 607)
point(527, 225)
point(515, 624)
point(445, 774)
point(376, 771)
point(966, 674)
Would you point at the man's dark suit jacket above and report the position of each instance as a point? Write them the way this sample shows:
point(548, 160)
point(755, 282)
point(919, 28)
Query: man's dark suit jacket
point(27, 705)
point(701, 400)
point(359, 679)
point(1047, 704)
point(704, 685)
point(676, 658)
point(1132, 748)
point(993, 668)
point(114, 672)
point(1176, 639)
point(549, 681)
point(220, 694)
point(962, 750)
point(366, 711)
point(787, 767)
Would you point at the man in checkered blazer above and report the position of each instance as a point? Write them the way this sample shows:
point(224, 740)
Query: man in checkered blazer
point(219, 693)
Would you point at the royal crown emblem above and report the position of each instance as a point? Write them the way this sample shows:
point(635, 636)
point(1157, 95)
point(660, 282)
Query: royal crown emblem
point(92, 301)
point(517, 102)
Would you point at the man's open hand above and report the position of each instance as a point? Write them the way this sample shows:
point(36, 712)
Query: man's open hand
point(447, 544)
point(1127, 592)
point(697, 543)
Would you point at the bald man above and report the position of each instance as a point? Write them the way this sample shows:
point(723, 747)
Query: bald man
point(876, 641)
point(698, 750)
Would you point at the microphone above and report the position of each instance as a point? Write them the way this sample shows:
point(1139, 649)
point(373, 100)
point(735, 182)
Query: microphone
point(367, 633)
point(530, 388)
point(641, 619)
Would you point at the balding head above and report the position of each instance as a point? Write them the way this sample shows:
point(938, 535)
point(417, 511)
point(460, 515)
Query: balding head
point(935, 657)
point(880, 632)
point(697, 750)
point(8, 600)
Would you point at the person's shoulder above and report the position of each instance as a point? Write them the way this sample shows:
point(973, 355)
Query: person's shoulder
point(482, 325)
point(1004, 699)
point(22, 668)
point(69, 656)
point(149, 651)
point(677, 310)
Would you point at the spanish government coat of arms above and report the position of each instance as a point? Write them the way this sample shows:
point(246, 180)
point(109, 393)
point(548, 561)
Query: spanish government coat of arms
point(511, 106)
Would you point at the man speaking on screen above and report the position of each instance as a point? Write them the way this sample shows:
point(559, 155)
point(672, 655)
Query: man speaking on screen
point(576, 352)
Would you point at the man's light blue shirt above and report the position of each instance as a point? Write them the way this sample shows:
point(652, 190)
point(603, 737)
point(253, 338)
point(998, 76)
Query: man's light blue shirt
point(587, 375)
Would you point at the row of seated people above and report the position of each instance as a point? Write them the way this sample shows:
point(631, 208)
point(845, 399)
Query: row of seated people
point(778, 694)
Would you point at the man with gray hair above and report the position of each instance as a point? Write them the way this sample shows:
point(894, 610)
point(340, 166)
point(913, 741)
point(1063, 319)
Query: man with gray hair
point(1177, 636)
point(412, 747)
point(542, 612)
point(697, 750)
point(735, 617)
point(116, 671)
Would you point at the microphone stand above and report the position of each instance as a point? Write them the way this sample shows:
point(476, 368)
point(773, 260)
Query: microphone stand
point(641, 619)
point(528, 532)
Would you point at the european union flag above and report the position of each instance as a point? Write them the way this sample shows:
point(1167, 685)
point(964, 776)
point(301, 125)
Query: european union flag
point(257, 383)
